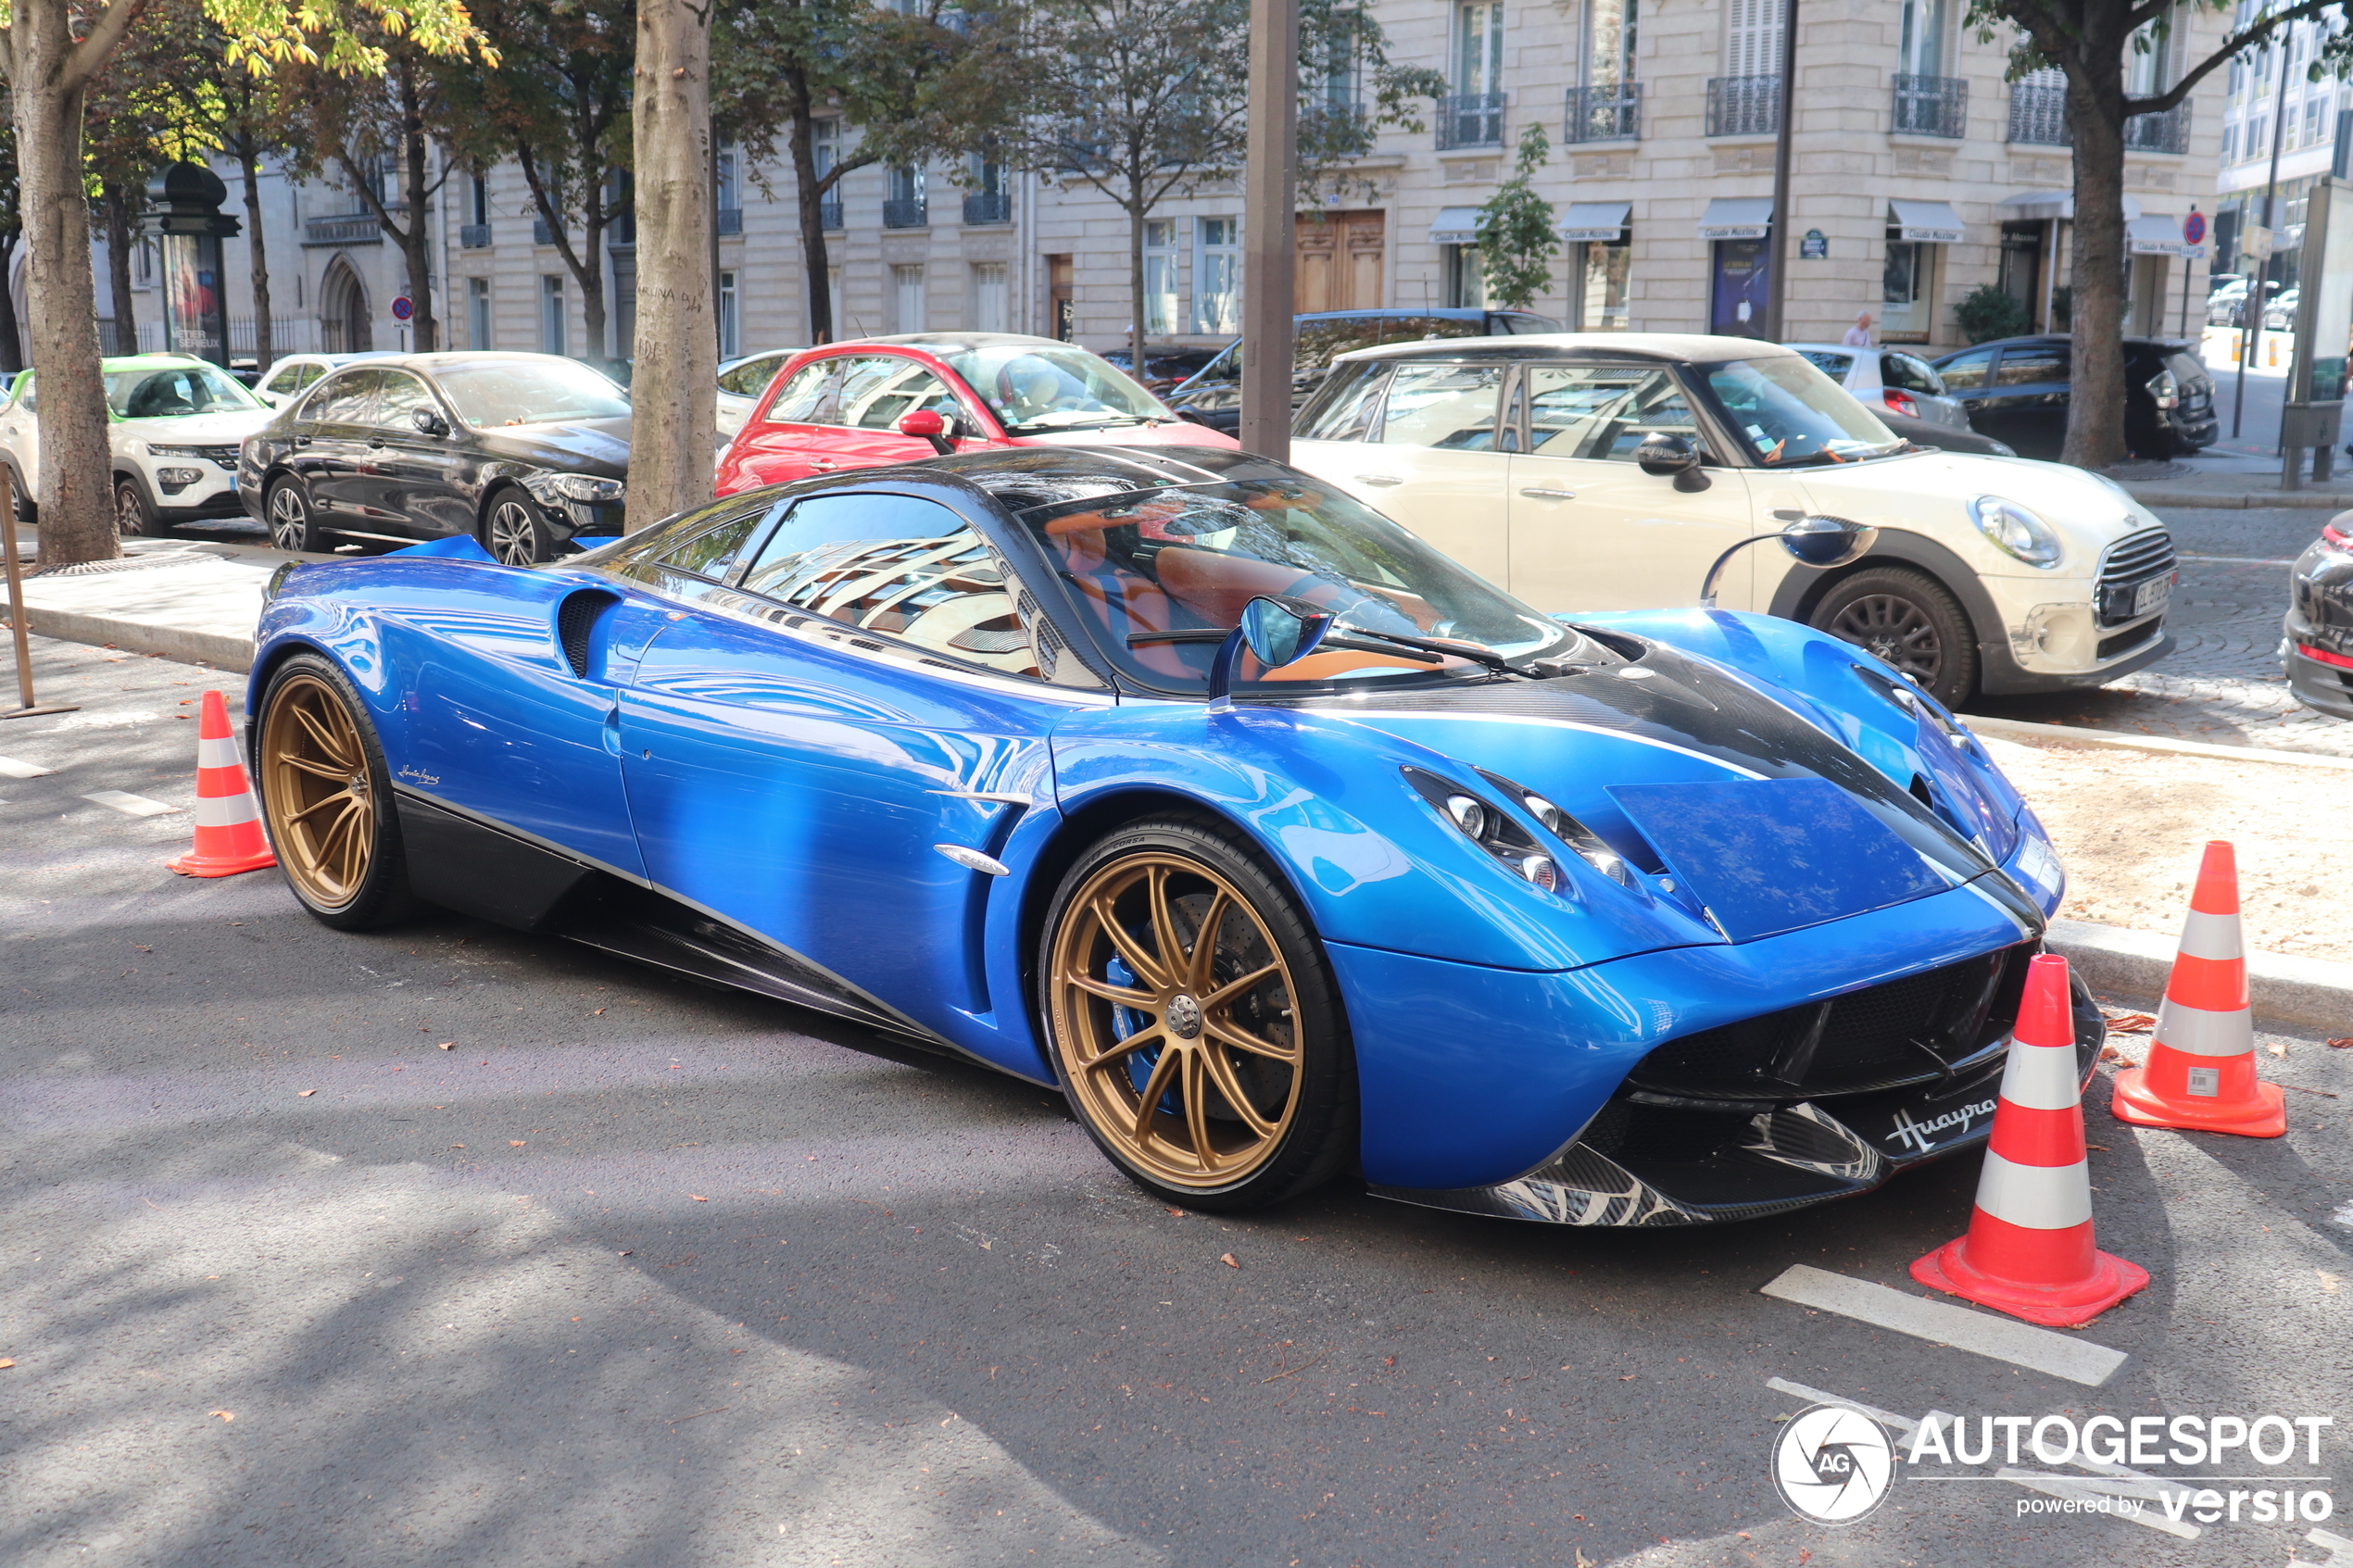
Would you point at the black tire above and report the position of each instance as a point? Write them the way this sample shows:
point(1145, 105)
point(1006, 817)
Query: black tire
point(28, 508)
point(514, 530)
point(1911, 620)
point(1296, 1076)
point(375, 892)
point(293, 522)
point(134, 518)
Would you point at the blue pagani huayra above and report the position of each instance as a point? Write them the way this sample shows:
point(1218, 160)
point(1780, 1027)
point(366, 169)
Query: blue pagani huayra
point(1654, 919)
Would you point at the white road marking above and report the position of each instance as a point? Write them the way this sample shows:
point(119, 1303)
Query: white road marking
point(2078, 1360)
point(2235, 560)
point(2335, 1546)
point(129, 805)
point(2343, 1217)
point(11, 767)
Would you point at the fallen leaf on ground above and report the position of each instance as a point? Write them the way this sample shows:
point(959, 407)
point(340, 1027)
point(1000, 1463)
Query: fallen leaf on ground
point(222, 1414)
point(448, 1046)
point(2101, 1146)
point(1230, 1260)
point(1179, 1213)
point(457, 1145)
point(514, 1143)
point(305, 1093)
point(697, 1198)
point(2131, 1023)
point(2328, 1281)
point(6, 1363)
point(599, 1013)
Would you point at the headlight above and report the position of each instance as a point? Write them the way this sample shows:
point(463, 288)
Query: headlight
point(583, 487)
point(156, 451)
point(2015, 530)
point(1488, 828)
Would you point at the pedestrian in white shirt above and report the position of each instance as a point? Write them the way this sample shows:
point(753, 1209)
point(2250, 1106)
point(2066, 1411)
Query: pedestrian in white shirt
point(1859, 335)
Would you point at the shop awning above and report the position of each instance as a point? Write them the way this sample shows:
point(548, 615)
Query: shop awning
point(1455, 226)
point(2157, 235)
point(2031, 205)
point(1737, 218)
point(1588, 221)
point(1935, 222)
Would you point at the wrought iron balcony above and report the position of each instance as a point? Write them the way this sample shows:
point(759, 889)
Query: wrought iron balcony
point(473, 236)
point(352, 229)
point(829, 216)
point(907, 214)
point(1473, 120)
point(1604, 114)
point(987, 207)
point(2166, 132)
point(2038, 116)
point(1744, 106)
point(1932, 106)
point(731, 219)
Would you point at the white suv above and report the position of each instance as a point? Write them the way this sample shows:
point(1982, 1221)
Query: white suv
point(174, 424)
point(1590, 472)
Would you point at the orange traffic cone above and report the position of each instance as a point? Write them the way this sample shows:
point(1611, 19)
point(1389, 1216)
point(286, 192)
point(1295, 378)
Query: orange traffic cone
point(229, 835)
point(2029, 1251)
point(2201, 1069)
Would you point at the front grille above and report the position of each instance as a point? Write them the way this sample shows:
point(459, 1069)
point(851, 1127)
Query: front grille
point(2130, 562)
point(1903, 1032)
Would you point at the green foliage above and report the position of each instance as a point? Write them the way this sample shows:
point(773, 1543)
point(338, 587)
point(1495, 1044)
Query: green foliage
point(1517, 236)
point(1988, 311)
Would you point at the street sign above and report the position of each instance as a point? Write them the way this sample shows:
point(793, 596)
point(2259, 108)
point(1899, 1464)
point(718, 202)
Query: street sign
point(401, 309)
point(1814, 246)
point(2194, 229)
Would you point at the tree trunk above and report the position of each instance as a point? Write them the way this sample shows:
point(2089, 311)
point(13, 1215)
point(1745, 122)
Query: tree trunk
point(2096, 392)
point(264, 350)
point(115, 204)
point(813, 260)
point(415, 244)
point(1136, 293)
point(590, 270)
point(11, 334)
point(674, 387)
point(75, 492)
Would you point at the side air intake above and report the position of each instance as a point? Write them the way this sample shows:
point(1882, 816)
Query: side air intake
point(576, 622)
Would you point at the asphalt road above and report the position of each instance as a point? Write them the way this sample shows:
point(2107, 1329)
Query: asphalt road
point(636, 1272)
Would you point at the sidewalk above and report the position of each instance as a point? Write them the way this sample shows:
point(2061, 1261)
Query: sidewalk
point(178, 599)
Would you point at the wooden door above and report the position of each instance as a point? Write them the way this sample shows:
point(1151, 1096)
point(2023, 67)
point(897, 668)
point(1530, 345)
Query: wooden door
point(1339, 260)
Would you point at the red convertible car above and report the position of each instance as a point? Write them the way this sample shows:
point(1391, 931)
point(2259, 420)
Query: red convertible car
point(880, 400)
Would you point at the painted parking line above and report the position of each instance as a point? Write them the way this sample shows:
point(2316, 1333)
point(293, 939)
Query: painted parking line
point(2235, 560)
point(11, 767)
point(2340, 1551)
point(2078, 1360)
point(129, 805)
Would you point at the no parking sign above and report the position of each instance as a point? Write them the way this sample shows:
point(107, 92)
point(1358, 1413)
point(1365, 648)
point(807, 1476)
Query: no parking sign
point(401, 309)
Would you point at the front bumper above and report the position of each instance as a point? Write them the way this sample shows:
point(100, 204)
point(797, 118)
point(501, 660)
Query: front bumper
point(2324, 687)
point(212, 494)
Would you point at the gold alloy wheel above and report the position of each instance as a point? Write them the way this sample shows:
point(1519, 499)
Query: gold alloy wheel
point(315, 787)
point(1173, 1015)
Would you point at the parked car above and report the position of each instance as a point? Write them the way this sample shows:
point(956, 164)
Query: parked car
point(1606, 472)
point(1213, 395)
point(1887, 378)
point(877, 400)
point(173, 425)
point(522, 451)
point(1502, 913)
point(1944, 438)
point(2016, 390)
point(2316, 644)
point(2229, 308)
point(2280, 315)
point(1166, 364)
point(292, 373)
point(740, 384)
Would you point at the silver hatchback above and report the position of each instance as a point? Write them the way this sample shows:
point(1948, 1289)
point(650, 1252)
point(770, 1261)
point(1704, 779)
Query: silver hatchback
point(1887, 378)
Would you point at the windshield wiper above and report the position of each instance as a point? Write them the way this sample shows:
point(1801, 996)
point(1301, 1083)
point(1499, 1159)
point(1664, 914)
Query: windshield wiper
point(1471, 651)
point(1104, 423)
point(1210, 635)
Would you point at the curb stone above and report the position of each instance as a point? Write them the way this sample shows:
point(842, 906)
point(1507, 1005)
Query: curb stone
point(2021, 729)
point(138, 636)
point(2311, 992)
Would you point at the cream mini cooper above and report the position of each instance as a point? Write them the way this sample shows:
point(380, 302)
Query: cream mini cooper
point(1589, 471)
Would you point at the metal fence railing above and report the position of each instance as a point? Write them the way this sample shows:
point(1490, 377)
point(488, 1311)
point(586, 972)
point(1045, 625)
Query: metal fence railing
point(1604, 114)
point(1744, 106)
point(1932, 106)
point(1471, 120)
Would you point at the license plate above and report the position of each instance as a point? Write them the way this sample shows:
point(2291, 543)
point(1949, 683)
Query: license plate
point(2152, 594)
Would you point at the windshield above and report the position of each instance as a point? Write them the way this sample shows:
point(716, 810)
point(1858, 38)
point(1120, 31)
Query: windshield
point(176, 393)
point(530, 392)
point(1791, 414)
point(1187, 559)
point(1037, 387)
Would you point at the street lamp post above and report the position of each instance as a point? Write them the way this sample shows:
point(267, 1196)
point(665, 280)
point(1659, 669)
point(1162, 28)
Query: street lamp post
point(1777, 255)
point(1270, 180)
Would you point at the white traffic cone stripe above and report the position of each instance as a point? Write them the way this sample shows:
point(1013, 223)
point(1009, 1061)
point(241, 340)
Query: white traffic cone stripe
point(2201, 1032)
point(225, 810)
point(2208, 935)
point(2040, 1077)
point(2042, 1197)
point(221, 753)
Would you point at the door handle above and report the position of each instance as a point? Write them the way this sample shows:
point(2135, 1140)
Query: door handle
point(1543, 494)
point(375, 441)
point(302, 441)
point(1383, 480)
point(824, 465)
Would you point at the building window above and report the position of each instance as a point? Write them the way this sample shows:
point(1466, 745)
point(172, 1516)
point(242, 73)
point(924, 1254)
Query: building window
point(1159, 277)
point(1921, 51)
point(1907, 294)
point(1753, 38)
point(2230, 144)
point(1465, 284)
point(905, 206)
point(1478, 49)
point(143, 264)
point(1609, 43)
point(1217, 275)
point(825, 146)
point(991, 303)
point(907, 298)
point(481, 199)
point(726, 202)
point(554, 337)
point(1603, 273)
point(730, 332)
point(478, 313)
point(987, 201)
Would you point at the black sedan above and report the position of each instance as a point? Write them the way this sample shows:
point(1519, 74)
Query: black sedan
point(523, 451)
point(2016, 390)
point(2317, 649)
point(1944, 438)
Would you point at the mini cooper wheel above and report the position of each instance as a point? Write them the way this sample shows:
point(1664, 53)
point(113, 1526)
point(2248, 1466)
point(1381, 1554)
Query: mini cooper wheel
point(1194, 1021)
point(134, 518)
point(513, 532)
point(1909, 621)
point(292, 526)
point(326, 799)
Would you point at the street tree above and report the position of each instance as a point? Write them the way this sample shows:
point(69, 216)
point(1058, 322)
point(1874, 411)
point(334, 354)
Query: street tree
point(673, 387)
point(2094, 42)
point(51, 51)
point(147, 109)
point(1146, 99)
point(12, 236)
point(1518, 237)
point(255, 119)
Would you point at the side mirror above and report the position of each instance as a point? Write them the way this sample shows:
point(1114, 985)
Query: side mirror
point(1274, 632)
point(927, 424)
point(428, 421)
point(1662, 454)
point(1828, 541)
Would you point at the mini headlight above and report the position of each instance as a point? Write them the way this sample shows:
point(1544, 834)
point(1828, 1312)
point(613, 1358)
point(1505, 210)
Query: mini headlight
point(2015, 530)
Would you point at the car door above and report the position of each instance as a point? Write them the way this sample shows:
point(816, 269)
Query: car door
point(329, 446)
point(877, 391)
point(776, 447)
point(2025, 403)
point(801, 750)
point(1428, 458)
point(1967, 377)
point(417, 483)
point(1589, 529)
point(281, 384)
